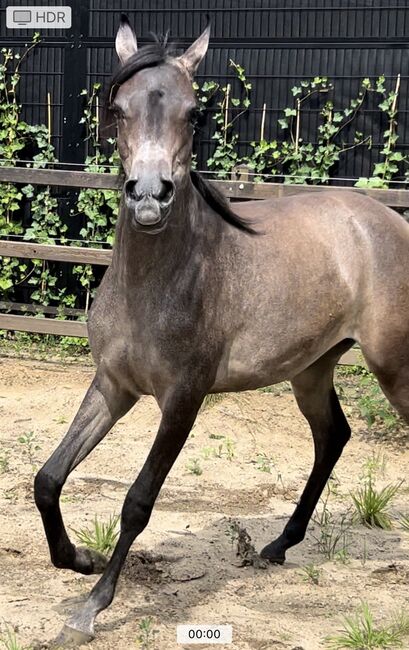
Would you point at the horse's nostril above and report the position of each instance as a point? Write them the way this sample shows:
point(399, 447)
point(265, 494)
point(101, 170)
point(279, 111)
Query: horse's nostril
point(166, 191)
point(161, 190)
point(130, 189)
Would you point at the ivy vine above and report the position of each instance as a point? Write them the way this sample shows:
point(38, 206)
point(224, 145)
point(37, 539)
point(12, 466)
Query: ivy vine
point(290, 156)
point(225, 156)
point(18, 141)
point(98, 208)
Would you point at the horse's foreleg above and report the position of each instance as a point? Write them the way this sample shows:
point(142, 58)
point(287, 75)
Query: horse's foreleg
point(316, 397)
point(102, 406)
point(179, 413)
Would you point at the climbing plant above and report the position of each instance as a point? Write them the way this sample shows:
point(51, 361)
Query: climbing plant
point(385, 170)
point(225, 156)
point(97, 208)
point(301, 161)
point(18, 141)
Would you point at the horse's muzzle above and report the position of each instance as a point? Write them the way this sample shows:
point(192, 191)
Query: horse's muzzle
point(148, 214)
point(149, 207)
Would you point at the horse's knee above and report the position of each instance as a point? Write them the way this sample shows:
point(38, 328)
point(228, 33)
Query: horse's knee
point(47, 490)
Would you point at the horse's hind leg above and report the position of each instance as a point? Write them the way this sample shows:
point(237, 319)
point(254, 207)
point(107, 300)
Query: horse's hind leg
point(102, 406)
point(316, 397)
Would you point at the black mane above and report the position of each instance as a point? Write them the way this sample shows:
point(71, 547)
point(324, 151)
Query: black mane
point(151, 56)
point(218, 202)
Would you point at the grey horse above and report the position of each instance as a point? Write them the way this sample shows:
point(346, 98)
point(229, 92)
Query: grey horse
point(201, 299)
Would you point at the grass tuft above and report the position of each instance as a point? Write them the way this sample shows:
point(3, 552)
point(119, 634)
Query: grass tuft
point(263, 463)
point(372, 504)
point(311, 573)
point(101, 536)
point(147, 634)
point(404, 522)
point(193, 467)
point(211, 400)
point(9, 641)
point(360, 633)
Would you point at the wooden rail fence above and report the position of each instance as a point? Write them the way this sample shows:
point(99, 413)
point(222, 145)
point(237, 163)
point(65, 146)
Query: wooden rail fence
point(240, 188)
point(234, 189)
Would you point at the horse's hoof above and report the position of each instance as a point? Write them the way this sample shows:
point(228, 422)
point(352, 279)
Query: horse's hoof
point(69, 637)
point(90, 561)
point(273, 554)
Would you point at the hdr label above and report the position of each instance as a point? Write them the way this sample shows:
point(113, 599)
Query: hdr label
point(38, 17)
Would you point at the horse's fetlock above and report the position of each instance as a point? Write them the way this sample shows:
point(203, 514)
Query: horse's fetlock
point(294, 533)
point(60, 564)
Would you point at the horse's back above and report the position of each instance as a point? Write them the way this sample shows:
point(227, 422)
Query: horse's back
point(361, 235)
point(316, 207)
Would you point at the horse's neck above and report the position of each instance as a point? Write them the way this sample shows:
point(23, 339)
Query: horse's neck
point(137, 254)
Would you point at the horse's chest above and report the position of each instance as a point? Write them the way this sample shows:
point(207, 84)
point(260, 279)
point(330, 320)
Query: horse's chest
point(154, 336)
point(159, 348)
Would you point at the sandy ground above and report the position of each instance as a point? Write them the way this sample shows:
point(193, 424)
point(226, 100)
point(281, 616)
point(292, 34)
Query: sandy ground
point(183, 568)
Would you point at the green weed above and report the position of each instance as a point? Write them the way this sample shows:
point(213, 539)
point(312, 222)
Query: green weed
point(230, 449)
point(311, 573)
point(193, 466)
point(61, 420)
point(43, 346)
point(226, 449)
point(404, 522)
point(147, 634)
point(372, 504)
point(373, 405)
point(29, 447)
point(4, 461)
point(211, 400)
point(9, 641)
point(101, 536)
point(374, 465)
point(263, 463)
point(333, 539)
point(360, 633)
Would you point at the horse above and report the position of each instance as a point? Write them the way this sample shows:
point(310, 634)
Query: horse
point(200, 298)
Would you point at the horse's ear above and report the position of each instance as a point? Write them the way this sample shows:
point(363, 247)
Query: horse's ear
point(125, 42)
point(195, 53)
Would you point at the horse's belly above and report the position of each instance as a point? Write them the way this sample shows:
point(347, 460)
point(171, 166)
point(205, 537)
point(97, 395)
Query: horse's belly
point(241, 373)
point(246, 364)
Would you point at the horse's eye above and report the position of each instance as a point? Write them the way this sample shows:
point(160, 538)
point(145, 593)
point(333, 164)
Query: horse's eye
point(116, 112)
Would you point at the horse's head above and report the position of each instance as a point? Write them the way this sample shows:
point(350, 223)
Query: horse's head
point(155, 107)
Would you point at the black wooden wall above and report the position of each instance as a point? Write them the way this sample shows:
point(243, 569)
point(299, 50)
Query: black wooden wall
point(278, 42)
